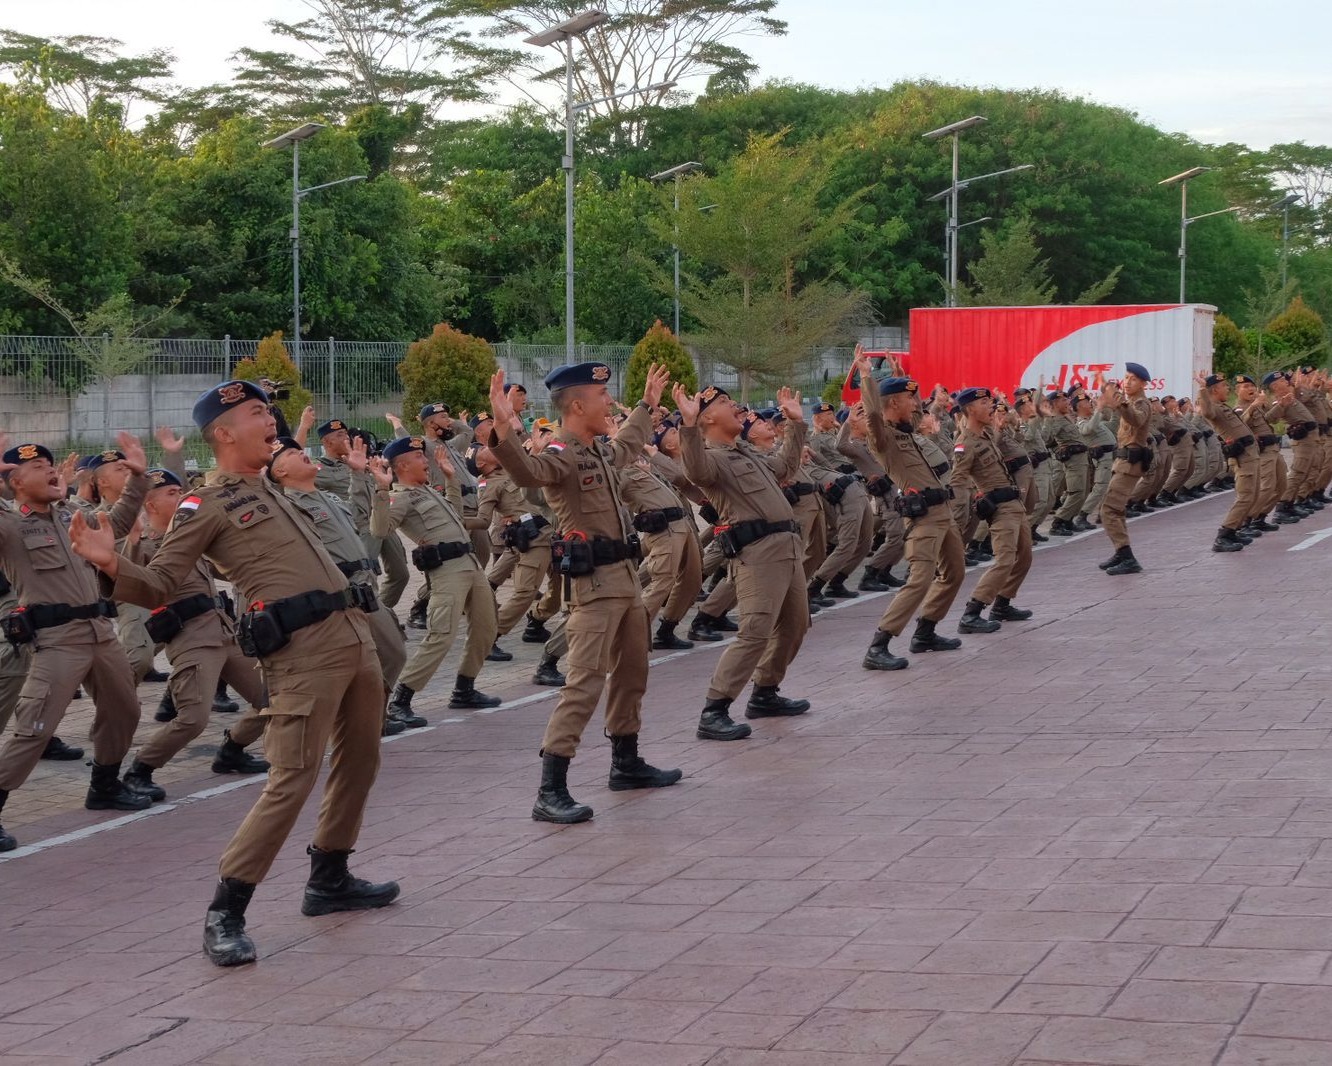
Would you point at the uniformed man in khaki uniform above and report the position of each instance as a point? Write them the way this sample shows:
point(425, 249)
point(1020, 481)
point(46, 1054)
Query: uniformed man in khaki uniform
point(63, 617)
point(1240, 446)
point(201, 646)
point(1179, 451)
point(312, 638)
point(853, 444)
point(933, 543)
point(330, 515)
point(1306, 451)
point(444, 553)
point(1271, 467)
point(1132, 457)
point(978, 458)
point(1027, 406)
point(1070, 451)
point(607, 626)
point(760, 536)
point(848, 507)
point(1095, 426)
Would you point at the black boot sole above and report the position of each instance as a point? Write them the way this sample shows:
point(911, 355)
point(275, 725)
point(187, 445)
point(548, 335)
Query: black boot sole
point(312, 907)
point(239, 954)
point(673, 645)
point(232, 768)
point(892, 662)
point(540, 814)
point(972, 627)
point(767, 712)
point(738, 732)
point(473, 703)
point(139, 802)
point(628, 783)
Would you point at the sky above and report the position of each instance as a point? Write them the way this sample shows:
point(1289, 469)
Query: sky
point(1218, 71)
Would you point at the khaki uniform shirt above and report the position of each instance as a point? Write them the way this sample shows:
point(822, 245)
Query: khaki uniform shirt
point(335, 525)
point(580, 486)
point(978, 458)
point(1134, 419)
point(261, 543)
point(212, 629)
point(42, 568)
point(426, 517)
point(899, 450)
point(503, 502)
point(1095, 429)
point(1225, 421)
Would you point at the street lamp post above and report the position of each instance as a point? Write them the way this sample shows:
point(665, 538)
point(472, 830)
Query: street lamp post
point(953, 130)
point(1182, 180)
point(294, 138)
point(1286, 203)
point(677, 173)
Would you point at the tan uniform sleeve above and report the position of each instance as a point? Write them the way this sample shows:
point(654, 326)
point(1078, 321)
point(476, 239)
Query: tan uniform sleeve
point(700, 467)
point(184, 544)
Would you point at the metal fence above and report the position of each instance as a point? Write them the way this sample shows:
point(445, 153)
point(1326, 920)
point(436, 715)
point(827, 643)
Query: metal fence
point(50, 391)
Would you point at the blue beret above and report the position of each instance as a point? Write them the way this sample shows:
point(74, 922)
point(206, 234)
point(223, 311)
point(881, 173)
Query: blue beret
point(26, 453)
point(84, 462)
point(162, 479)
point(469, 459)
point(572, 374)
point(967, 396)
point(823, 407)
point(750, 420)
point(893, 386)
point(1077, 395)
point(478, 418)
point(514, 385)
point(1244, 379)
point(102, 458)
point(1138, 371)
point(1269, 378)
point(221, 398)
point(1072, 391)
point(333, 425)
point(709, 396)
point(403, 445)
point(284, 444)
point(842, 416)
point(433, 409)
point(1215, 379)
point(768, 413)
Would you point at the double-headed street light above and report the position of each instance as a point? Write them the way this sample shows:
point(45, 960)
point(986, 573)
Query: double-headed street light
point(677, 173)
point(1285, 204)
point(954, 129)
point(1182, 180)
point(294, 138)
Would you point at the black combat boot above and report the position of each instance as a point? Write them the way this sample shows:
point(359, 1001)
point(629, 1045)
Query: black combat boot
point(972, 622)
point(535, 632)
point(879, 657)
point(332, 888)
point(815, 590)
point(972, 555)
point(58, 751)
point(629, 771)
point(547, 674)
point(1167, 499)
point(715, 723)
point(231, 758)
point(722, 623)
point(7, 841)
point(139, 778)
point(1081, 525)
point(1226, 541)
point(1038, 537)
point(1120, 555)
point(1251, 528)
point(926, 639)
point(222, 703)
point(666, 640)
point(391, 727)
point(225, 941)
point(1127, 564)
point(837, 589)
point(106, 792)
point(1262, 523)
point(416, 617)
point(498, 655)
point(872, 581)
point(886, 577)
point(701, 628)
point(987, 549)
point(553, 803)
point(400, 708)
point(1314, 501)
point(466, 697)
point(1004, 611)
point(766, 702)
point(156, 676)
point(166, 709)
point(1061, 528)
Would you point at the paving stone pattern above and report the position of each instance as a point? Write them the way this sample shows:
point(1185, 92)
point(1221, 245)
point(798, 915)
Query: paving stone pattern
point(1101, 836)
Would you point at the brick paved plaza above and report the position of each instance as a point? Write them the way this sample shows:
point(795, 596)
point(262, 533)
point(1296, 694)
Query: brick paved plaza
point(1097, 837)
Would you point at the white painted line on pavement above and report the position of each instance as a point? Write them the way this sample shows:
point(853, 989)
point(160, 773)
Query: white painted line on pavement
point(1310, 539)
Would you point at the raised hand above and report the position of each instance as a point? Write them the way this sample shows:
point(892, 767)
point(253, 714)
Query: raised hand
point(686, 404)
point(788, 401)
point(167, 438)
point(381, 472)
point(307, 418)
point(135, 457)
point(393, 420)
point(658, 377)
point(66, 470)
point(96, 544)
point(358, 456)
point(500, 407)
point(444, 463)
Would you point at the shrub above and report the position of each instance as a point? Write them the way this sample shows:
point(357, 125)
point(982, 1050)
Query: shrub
point(659, 345)
point(448, 365)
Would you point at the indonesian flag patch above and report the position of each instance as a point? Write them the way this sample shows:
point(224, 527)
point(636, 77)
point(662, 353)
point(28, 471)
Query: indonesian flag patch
point(190, 503)
point(959, 447)
point(556, 446)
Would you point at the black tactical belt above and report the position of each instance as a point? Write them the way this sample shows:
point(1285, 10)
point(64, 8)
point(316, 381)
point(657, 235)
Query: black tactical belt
point(5, 587)
point(1267, 440)
point(834, 491)
point(1101, 451)
point(433, 556)
point(1300, 430)
point(940, 470)
point(356, 566)
point(847, 468)
point(267, 627)
point(1323, 427)
point(736, 538)
point(606, 551)
point(469, 490)
point(1037, 458)
point(798, 489)
point(1176, 437)
point(46, 615)
point(1017, 463)
point(1003, 494)
point(1066, 452)
point(1233, 449)
point(1134, 454)
point(166, 623)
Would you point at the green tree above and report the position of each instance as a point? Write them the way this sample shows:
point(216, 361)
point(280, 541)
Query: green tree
point(1011, 273)
point(450, 366)
point(1230, 348)
point(743, 234)
point(659, 345)
point(272, 362)
point(1301, 329)
point(84, 75)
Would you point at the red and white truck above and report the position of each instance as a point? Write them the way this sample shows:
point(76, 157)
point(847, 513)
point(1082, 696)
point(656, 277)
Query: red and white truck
point(1007, 347)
